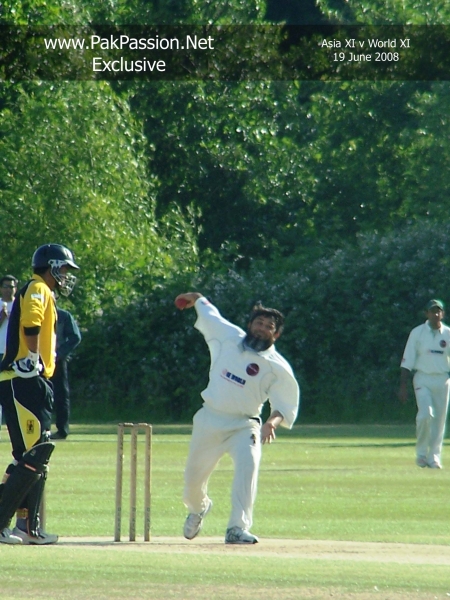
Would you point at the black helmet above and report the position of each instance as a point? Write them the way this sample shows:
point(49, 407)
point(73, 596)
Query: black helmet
point(56, 256)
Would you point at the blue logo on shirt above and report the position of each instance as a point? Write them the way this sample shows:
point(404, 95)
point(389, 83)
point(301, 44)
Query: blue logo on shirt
point(233, 377)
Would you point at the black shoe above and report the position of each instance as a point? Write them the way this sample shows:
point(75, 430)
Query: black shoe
point(58, 436)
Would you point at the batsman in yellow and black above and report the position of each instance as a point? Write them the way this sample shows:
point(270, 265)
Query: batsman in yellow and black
point(26, 394)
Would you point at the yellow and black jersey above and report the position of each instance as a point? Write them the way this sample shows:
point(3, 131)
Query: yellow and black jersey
point(33, 313)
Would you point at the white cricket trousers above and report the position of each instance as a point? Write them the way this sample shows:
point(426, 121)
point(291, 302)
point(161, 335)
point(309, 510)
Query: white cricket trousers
point(432, 392)
point(214, 434)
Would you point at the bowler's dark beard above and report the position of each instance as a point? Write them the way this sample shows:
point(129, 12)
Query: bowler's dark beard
point(255, 343)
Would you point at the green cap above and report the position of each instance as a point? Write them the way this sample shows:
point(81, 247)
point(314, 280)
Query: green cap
point(432, 303)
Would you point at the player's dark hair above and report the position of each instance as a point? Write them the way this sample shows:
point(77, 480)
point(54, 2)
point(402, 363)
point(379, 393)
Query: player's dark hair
point(8, 278)
point(263, 311)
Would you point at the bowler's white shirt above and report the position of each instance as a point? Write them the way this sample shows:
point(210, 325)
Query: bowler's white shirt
point(241, 380)
point(428, 350)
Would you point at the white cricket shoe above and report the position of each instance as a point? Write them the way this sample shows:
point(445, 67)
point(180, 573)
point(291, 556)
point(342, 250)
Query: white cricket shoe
point(435, 465)
point(7, 537)
point(236, 535)
point(42, 539)
point(194, 522)
point(421, 461)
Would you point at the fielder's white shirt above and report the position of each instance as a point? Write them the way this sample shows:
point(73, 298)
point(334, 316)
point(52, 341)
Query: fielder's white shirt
point(241, 380)
point(4, 327)
point(428, 350)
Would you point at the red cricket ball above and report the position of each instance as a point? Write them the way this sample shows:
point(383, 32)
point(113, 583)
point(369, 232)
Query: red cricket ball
point(180, 303)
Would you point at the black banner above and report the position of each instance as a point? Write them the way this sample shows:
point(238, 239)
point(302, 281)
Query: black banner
point(228, 53)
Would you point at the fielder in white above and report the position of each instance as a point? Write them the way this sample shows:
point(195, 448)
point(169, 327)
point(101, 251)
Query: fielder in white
point(427, 354)
point(246, 370)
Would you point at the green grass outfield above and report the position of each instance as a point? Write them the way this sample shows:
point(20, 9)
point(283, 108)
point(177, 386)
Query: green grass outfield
point(342, 512)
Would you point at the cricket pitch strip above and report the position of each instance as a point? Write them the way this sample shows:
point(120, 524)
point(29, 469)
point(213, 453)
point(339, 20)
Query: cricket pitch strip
point(303, 549)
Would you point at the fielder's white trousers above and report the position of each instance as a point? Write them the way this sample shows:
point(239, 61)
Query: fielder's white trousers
point(432, 392)
point(214, 434)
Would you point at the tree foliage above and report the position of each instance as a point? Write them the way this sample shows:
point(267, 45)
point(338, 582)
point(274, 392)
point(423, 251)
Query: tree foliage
point(222, 150)
point(72, 171)
point(174, 12)
point(348, 317)
point(319, 197)
point(385, 12)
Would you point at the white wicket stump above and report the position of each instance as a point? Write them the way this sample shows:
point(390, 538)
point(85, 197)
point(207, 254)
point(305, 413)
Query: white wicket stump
point(134, 428)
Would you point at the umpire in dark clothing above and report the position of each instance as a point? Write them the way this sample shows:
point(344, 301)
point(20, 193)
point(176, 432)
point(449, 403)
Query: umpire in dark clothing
point(68, 337)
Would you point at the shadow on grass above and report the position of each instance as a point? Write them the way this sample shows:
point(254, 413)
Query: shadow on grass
point(381, 444)
point(111, 429)
point(377, 431)
point(348, 431)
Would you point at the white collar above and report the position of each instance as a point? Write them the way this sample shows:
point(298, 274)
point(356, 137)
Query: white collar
point(434, 330)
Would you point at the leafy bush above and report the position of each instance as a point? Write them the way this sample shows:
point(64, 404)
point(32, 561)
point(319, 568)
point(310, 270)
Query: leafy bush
point(348, 318)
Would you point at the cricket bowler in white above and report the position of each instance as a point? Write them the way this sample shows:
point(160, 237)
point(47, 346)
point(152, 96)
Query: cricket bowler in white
point(427, 355)
point(246, 370)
